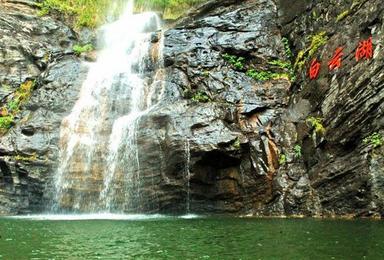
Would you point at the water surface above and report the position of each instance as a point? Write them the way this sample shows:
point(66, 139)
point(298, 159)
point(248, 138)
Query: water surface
point(161, 237)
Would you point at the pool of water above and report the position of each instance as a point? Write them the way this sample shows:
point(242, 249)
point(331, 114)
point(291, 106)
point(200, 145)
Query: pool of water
point(187, 237)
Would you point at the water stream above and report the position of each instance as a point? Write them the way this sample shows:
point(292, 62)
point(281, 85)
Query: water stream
point(99, 155)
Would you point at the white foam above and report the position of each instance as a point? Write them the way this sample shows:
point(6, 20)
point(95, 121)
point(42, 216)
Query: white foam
point(103, 216)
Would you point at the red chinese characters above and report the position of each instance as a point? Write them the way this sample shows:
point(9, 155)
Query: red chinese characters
point(335, 62)
point(314, 69)
point(364, 50)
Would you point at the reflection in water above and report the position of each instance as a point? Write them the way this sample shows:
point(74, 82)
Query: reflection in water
point(199, 238)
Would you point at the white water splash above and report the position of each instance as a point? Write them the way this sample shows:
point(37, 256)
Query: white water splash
point(99, 157)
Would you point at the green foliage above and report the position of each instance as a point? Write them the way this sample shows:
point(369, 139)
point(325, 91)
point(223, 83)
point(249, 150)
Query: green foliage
point(91, 13)
point(297, 151)
point(170, 9)
point(6, 122)
point(287, 49)
point(375, 140)
point(317, 124)
point(342, 15)
point(200, 96)
point(79, 49)
point(266, 75)
point(236, 144)
point(303, 56)
point(281, 64)
point(282, 159)
point(236, 62)
point(12, 107)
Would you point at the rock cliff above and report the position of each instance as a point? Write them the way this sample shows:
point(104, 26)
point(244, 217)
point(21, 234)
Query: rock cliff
point(241, 128)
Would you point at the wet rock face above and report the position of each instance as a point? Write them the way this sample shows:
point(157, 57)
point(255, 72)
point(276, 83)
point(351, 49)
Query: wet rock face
point(40, 49)
point(217, 156)
point(219, 141)
point(343, 171)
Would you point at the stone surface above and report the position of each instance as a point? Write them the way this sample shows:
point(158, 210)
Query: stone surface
point(220, 156)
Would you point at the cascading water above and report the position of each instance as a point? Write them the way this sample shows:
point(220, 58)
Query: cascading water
point(99, 167)
point(187, 173)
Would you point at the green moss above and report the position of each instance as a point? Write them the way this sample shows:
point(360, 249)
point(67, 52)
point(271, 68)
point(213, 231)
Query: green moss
point(303, 56)
point(235, 61)
point(375, 140)
point(317, 124)
point(201, 96)
point(79, 49)
point(342, 15)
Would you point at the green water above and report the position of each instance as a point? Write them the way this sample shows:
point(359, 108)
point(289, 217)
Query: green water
point(201, 238)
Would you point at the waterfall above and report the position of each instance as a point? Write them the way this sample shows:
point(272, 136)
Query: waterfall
point(99, 167)
point(187, 173)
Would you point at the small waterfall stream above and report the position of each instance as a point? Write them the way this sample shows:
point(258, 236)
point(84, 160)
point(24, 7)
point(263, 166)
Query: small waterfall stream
point(99, 167)
point(187, 173)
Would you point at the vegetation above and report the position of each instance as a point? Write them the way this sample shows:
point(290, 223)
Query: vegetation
point(236, 62)
point(30, 158)
point(297, 151)
point(317, 124)
point(303, 56)
point(375, 140)
point(9, 110)
point(287, 49)
point(266, 75)
point(342, 15)
point(5, 122)
point(201, 96)
point(91, 13)
point(282, 159)
point(79, 49)
point(236, 144)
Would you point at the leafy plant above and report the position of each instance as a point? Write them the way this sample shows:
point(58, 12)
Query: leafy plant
point(317, 124)
point(6, 122)
point(303, 56)
point(200, 96)
point(287, 49)
point(236, 144)
point(237, 62)
point(12, 107)
point(375, 140)
point(297, 151)
point(266, 75)
point(282, 159)
point(79, 49)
